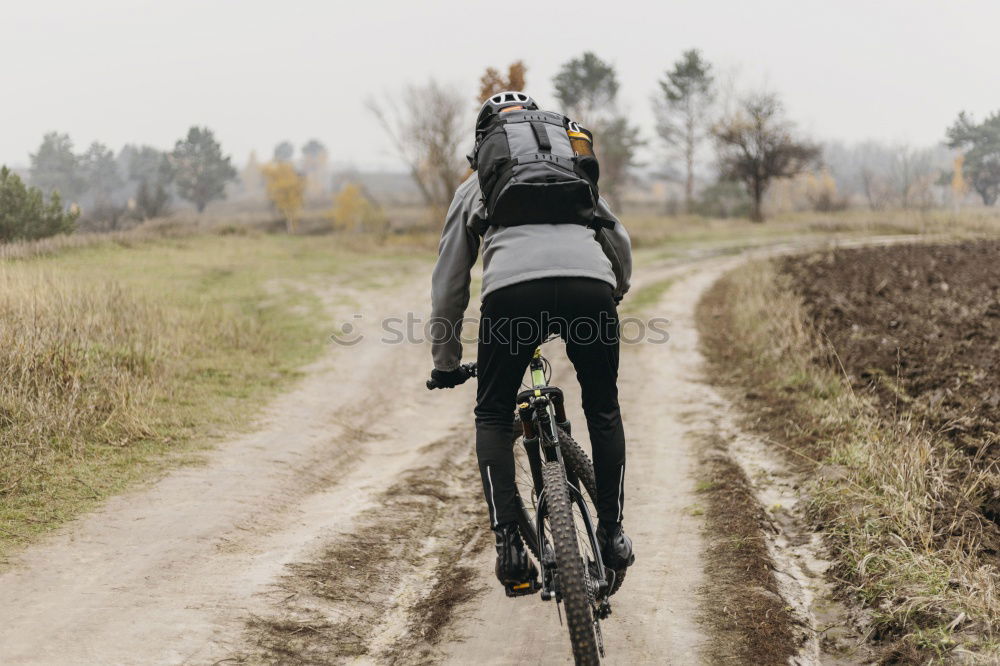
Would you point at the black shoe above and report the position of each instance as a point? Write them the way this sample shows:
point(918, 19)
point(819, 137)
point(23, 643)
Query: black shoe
point(616, 548)
point(514, 569)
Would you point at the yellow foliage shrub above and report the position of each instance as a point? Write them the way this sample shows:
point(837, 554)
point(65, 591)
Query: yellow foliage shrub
point(285, 189)
point(353, 211)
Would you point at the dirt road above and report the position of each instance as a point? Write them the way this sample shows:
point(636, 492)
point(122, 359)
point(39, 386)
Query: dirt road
point(655, 618)
point(327, 536)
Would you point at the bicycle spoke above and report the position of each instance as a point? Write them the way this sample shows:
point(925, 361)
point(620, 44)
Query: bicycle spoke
point(522, 477)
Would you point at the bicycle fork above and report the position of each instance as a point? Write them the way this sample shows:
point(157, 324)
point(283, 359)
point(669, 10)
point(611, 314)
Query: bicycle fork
point(543, 428)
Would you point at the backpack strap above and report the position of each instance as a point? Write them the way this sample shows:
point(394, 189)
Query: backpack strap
point(601, 223)
point(542, 136)
point(481, 136)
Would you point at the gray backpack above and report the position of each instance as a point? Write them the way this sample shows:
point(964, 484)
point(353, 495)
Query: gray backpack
point(536, 167)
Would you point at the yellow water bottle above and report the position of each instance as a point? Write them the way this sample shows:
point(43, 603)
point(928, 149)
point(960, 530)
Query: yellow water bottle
point(580, 139)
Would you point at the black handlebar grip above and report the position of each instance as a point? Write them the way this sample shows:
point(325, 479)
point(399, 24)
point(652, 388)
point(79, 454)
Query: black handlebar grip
point(470, 370)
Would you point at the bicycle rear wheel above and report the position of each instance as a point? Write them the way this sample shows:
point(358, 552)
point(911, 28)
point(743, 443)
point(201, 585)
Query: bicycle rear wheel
point(571, 569)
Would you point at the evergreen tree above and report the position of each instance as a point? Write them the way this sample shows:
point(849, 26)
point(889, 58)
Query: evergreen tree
point(145, 163)
point(151, 200)
point(24, 215)
point(54, 168)
point(686, 94)
point(587, 88)
point(200, 169)
point(314, 165)
point(284, 152)
point(981, 163)
point(99, 173)
point(150, 173)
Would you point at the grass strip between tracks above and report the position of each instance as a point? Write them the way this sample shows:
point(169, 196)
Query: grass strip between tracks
point(743, 605)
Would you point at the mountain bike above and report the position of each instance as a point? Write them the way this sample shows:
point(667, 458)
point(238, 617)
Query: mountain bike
point(557, 525)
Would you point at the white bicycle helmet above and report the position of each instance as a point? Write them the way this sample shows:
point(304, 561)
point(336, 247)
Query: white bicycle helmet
point(502, 100)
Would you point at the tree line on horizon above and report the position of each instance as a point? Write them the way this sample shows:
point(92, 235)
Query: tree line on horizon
point(756, 144)
point(106, 190)
point(723, 150)
point(100, 190)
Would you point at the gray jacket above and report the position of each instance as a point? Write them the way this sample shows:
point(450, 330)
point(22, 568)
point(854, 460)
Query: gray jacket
point(512, 255)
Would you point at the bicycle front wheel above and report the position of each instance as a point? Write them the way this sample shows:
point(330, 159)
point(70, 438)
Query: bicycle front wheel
point(527, 478)
point(580, 466)
point(571, 569)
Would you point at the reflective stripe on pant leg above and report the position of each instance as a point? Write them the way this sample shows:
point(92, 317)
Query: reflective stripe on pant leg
point(621, 492)
point(491, 502)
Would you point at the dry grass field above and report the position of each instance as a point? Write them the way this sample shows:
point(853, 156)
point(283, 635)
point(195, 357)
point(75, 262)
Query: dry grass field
point(121, 355)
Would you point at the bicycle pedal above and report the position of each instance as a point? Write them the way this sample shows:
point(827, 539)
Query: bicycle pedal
point(522, 589)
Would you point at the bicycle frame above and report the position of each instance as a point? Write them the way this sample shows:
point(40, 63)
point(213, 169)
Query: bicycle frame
point(541, 411)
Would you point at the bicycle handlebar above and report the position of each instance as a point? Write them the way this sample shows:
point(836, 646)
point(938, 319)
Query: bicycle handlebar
point(470, 370)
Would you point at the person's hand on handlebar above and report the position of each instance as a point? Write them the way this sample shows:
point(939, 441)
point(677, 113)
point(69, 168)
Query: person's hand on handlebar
point(443, 379)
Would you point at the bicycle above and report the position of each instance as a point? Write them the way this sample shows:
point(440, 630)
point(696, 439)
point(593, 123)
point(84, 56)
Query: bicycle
point(561, 526)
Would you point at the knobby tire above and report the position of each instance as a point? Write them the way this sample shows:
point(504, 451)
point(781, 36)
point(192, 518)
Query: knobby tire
point(570, 566)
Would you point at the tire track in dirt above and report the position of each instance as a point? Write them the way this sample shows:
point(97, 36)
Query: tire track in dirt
point(385, 590)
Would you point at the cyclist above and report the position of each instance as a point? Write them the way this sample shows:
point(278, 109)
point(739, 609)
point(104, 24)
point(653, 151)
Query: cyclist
point(538, 279)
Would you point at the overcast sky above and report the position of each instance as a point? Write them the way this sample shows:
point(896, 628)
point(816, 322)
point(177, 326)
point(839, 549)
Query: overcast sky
point(257, 72)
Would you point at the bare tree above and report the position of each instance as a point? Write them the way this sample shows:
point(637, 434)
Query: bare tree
point(912, 175)
point(756, 146)
point(877, 192)
point(869, 165)
point(427, 125)
point(887, 175)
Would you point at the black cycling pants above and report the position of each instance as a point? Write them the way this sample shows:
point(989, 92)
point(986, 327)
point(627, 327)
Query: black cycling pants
point(514, 322)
